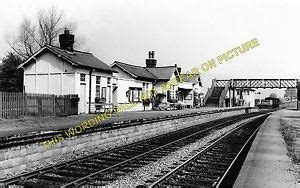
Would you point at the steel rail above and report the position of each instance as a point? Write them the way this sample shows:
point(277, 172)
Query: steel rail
point(195, 156)
point(91, 176)
point(48, 169)
point(19, 140)
point(237, 156)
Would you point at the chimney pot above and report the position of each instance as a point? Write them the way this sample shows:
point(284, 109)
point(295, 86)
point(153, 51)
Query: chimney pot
point(179, 69)
point(151, 62)
point(66, 31)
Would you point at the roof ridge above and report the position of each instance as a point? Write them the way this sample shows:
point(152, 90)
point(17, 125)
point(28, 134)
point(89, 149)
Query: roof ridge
point(68, 51)
point(169, 66)
point(162, 66)
point(129, 64)
point(85, 59)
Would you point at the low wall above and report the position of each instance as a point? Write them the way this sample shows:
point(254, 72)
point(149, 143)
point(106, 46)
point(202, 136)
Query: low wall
point(26, 158)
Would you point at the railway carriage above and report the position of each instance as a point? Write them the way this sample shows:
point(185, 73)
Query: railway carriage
point(267, 103)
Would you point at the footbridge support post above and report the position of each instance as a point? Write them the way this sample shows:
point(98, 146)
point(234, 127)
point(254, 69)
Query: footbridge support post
point(233, 97)
point(298, 95)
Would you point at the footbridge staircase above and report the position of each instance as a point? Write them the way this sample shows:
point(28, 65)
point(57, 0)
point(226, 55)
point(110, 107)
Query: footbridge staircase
point(215, 96)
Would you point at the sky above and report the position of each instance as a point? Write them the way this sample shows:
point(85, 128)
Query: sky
point(183, 32)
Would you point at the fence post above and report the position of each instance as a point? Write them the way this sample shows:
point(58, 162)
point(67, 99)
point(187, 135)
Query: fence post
point(25, 108)
point(12, 104)
point(298, 94)
point(4, 105)
point(40, 108)
point(66, 98)
point(54, 98)
point(1, 106)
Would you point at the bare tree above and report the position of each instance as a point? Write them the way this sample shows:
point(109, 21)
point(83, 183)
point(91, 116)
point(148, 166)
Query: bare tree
point(290, 93)
point(25, 44)
point(32, 36)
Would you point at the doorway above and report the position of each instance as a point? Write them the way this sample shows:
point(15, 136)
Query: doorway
point(82, 98)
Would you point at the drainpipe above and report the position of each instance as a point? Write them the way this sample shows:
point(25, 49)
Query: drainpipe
point(90, 90)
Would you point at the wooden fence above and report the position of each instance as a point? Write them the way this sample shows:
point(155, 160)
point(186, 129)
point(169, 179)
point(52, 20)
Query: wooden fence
point(14, 105)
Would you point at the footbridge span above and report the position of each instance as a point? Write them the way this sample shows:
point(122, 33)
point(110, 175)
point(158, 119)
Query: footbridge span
point(217, 93)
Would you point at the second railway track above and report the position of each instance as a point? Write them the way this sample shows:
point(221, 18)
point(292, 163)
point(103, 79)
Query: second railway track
point(101, 168)
point(216, 165)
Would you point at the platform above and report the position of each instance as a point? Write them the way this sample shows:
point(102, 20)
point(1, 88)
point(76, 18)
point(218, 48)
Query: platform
point(267, 163)
point(26, 125)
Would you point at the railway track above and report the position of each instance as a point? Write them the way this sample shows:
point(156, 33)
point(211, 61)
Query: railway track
point(102, 168)
point(218, 164)
point(31, 138)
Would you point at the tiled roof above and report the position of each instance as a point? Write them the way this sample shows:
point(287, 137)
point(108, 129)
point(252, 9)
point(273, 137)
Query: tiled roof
point(77, 57)
point(155, 73)
point(162, 73)
point(194, 78)
point(136, 71)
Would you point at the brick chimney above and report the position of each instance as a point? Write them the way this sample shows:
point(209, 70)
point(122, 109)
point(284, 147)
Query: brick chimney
point(151, 62)
point(66, 40)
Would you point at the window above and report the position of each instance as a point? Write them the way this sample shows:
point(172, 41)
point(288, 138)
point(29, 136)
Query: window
point(98, 91)
point(103, 93)
point(134, 94)
point(189, 97)
point(171, 94)
point(109, 94)
point(108, 80)
point(82, 77)
point(98, 79)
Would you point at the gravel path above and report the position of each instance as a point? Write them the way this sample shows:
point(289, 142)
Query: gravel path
point(151, 172)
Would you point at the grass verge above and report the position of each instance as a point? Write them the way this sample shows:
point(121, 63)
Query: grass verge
point(289, 134)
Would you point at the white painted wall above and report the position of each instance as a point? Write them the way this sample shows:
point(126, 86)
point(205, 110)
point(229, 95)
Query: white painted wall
point(103, 83)
point(124, 82)
point(189, 85)
point(249, 99)
point(51, 75)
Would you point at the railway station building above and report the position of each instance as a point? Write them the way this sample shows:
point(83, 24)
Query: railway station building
point(63, 71)
point(134, 80)
point(245, 97)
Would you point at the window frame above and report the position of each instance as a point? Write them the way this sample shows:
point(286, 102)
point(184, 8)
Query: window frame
point(103, 93)
point(98, 85)
point(109, 97)
point(99, 93)
point(97, 80)
point(81, 76)
point(134, 94)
